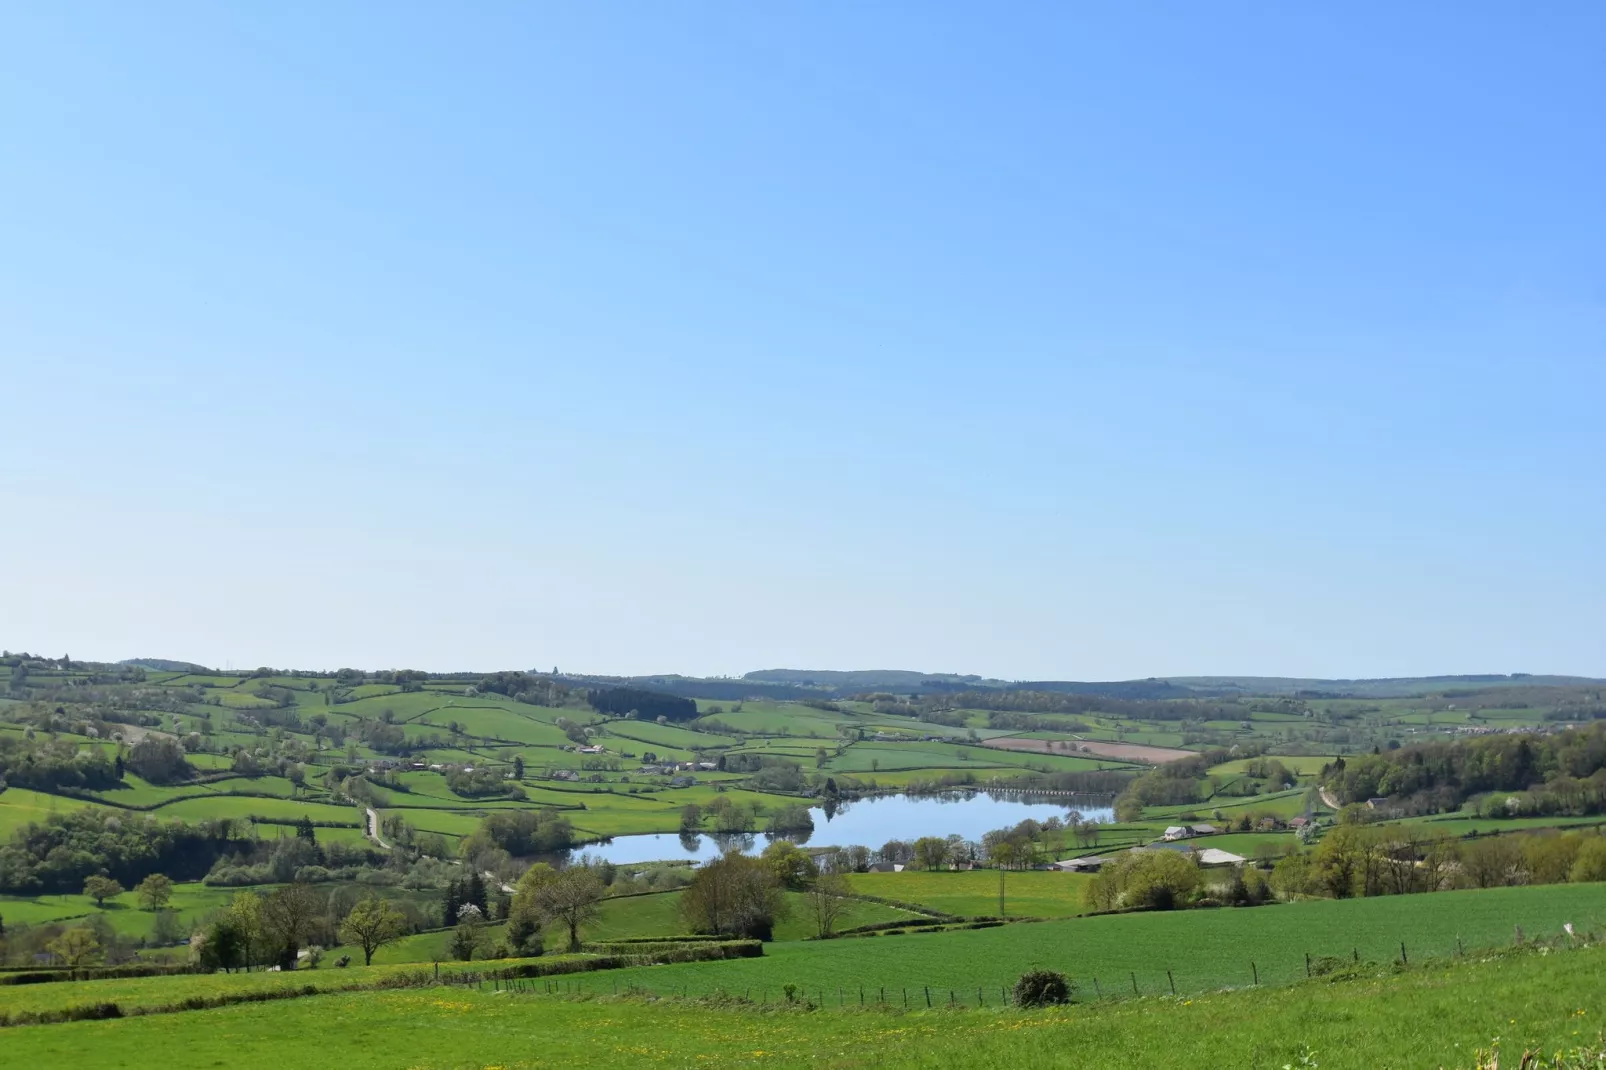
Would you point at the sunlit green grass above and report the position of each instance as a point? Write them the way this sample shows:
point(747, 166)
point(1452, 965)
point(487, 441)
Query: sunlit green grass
point(1433, 1017)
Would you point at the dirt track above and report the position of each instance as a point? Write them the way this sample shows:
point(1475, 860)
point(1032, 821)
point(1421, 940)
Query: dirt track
point(1136, 752)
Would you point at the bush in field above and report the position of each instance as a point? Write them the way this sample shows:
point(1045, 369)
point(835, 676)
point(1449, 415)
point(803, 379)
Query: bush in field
point(1043, 988)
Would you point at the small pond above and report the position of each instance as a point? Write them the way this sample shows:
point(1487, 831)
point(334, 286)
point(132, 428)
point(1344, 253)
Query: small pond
point(870, 821)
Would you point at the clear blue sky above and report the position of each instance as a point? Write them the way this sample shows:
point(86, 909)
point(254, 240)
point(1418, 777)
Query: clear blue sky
point(1037, 340)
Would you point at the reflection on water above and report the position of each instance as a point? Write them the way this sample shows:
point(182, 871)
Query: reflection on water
point(870, 822)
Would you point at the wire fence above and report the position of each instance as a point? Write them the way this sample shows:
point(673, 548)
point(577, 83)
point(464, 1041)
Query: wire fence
point(1088, 987)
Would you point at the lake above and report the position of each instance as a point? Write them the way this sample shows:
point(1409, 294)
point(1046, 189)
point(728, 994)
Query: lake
point(870, 821)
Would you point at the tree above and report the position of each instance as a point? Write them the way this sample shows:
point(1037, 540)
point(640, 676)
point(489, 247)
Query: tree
point(734, 895)
point(1337, 862)
point(165, 930)
point(827, 901)
point(468, 938)
point(1493, 861)
point(77, 946)
point(790, 864)
point(154, 891)
point(691, 817)
point(570, 899)
point(222, 947)
point(371, 925)
point(518, 767)
point(931, 852)
point(159, 760)
point(249, 928)
point(101, 888)
point(1590, 865)
point(288, 916)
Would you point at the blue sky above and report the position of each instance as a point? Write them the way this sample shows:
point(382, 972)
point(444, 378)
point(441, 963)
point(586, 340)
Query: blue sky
point(1051, 340)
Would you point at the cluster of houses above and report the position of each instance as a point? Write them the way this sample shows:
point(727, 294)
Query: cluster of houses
point(671, 768)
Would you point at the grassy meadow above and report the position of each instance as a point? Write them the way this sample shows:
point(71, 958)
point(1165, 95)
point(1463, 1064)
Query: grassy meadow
point(1438, 1016)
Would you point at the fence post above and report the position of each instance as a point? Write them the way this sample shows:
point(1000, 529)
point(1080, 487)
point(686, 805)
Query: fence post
point(1458, 948)
point(1357, 953)
point(905, 999)
point(883, 995)
point(1135, 984)
point(861, 995)
point(1173, 982)
point(928, 997)
point(1096, 993)
point(1254, 971)
point(1307, 964)
point(1403, 960)
point(979, 1001)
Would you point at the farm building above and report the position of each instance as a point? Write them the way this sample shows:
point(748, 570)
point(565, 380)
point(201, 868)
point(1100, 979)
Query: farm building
point(1176, 832)
point(885, 867)
point(1090, 864)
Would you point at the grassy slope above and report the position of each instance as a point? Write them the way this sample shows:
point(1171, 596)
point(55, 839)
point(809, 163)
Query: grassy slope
point(1426, 1018)
point(1203, 949)
point(1031, 893)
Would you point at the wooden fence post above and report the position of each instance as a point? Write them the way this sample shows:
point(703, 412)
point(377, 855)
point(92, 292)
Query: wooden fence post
point(1307, 964)
point(1173, 982)
point(928, 997)
point(1403, 960)
point(1096, 993)
point(1135, 983)
point(1255, 972)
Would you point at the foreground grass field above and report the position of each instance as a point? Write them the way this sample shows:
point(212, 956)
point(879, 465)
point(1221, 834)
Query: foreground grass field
point(1432, 1017)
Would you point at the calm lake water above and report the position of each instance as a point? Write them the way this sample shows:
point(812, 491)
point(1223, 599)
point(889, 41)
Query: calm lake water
point(870, 822)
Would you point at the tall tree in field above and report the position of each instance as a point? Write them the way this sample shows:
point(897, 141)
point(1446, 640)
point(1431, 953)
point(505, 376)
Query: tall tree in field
point(250, 929)
point(289, 915)
point(154, 891)
point(735, 895)
point(570, 900)
point(101, 889)
point(931, 852)
point(827, 901)
point(371, 925)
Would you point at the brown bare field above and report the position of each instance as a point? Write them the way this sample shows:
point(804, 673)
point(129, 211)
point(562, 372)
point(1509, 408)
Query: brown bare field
point(1132, 752)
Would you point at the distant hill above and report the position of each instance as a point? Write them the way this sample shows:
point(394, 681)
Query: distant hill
point(897, 680)
point(164, 665)
point(1388, 687)
point(903, 681)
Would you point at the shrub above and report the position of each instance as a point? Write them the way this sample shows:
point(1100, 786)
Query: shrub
point(1043, 988)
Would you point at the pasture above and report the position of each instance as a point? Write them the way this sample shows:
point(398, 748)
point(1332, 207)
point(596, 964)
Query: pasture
point(1203, 949)
point(1551, 1003)
point(1028, 893)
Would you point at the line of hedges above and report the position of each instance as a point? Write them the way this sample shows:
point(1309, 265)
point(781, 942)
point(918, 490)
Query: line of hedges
point(107, 973)
point(420, 978)
point(913, 908)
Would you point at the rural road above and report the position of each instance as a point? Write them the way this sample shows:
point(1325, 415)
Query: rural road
point(1327, 797)
point(373, 827)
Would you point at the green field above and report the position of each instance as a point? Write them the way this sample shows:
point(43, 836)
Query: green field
point(1029, 893)
point(1431, 1017)
point(1203, 949)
